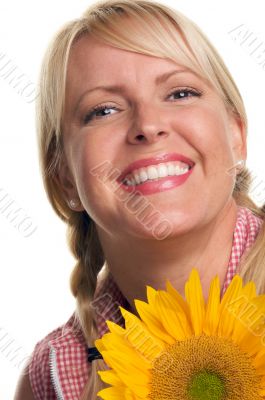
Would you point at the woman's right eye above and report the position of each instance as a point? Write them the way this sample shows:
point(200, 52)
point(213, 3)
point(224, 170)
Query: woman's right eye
point(96, 110)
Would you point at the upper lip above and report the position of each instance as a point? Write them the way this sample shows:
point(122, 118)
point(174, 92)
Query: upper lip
point(166, 157)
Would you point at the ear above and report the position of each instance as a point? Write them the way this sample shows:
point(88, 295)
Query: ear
point(66, 182)
point(238, 136)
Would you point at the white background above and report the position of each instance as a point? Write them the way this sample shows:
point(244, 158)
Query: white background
point(35, 296)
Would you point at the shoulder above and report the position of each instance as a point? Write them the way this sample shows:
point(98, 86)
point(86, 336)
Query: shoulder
point(23, 388)
point(64, 337)
point(34, 382)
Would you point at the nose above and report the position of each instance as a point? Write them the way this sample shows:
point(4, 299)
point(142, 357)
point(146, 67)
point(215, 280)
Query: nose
point(149, 125)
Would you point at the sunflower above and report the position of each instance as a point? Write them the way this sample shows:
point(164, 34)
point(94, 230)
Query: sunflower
point(188, 349)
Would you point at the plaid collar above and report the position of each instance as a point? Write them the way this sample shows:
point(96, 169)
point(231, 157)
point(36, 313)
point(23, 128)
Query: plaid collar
point(245, 232)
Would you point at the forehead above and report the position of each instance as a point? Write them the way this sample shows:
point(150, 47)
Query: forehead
point(93, 60)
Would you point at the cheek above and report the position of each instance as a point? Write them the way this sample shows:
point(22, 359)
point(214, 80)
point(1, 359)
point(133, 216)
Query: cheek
point(206, 130)
point(91, 150)
point(94, 159)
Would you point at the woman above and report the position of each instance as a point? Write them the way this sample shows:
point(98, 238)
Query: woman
point(130, 86)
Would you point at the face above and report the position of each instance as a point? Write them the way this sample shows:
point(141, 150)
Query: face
point(148, 116)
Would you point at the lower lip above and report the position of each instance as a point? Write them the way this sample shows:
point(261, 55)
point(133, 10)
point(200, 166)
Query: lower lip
point(162, 184)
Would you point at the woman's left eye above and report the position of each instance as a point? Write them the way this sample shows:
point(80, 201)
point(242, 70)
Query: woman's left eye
point(185, 93)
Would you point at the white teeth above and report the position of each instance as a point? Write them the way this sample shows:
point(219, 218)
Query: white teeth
point(137, 178)
point(152, 173)
point(162, 170)
point(143, 175)
point(129, 182)
point(155, 172)
point(178, 169)
point(171, 169)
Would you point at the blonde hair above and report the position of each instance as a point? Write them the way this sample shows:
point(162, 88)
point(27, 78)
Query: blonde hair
point(157, 31)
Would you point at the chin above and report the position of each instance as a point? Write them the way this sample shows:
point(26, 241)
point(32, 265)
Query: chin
point(165, 228)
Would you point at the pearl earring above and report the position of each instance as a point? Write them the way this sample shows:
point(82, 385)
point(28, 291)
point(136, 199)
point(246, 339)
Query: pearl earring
point(74, 203)
point(240, 164)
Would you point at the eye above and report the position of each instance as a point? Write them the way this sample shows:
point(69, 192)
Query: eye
point(185, 93)
point(96, 111)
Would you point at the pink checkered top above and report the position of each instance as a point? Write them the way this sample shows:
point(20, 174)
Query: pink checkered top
point(59, 368)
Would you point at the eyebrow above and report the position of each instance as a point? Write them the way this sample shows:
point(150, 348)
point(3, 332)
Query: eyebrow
point(121, 89)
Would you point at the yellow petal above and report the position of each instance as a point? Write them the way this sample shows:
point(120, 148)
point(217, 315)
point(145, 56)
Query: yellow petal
point(112, 341)
point(151, 295)
point(149, 316)
point(112, 393)
point(141, 390)
point(228, 309)
point(127, 352)
point(239, 308)
point(121, 362)
point(110, 377)
point(100, 345)
point(174, 321)
point(259, 362)
point(115, 328)
point(182, 312)
point(140, 337)
point(195, 300)
point(250, 322)
point(139, 377)
point(212, 313)
point(175, 294)
point(250, 290)
point(129, 395)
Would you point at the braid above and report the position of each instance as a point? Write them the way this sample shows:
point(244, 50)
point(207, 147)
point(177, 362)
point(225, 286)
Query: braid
point(84, 244)
point(251, 265)
point(241, 193)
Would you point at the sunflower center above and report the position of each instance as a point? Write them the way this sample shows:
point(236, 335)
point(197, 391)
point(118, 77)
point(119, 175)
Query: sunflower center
point(206, 385)
point(203, 368)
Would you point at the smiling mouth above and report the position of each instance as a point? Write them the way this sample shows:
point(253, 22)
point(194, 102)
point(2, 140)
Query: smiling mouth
point(156, 172)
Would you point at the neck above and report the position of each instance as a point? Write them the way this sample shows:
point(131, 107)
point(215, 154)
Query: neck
point(134, 264)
